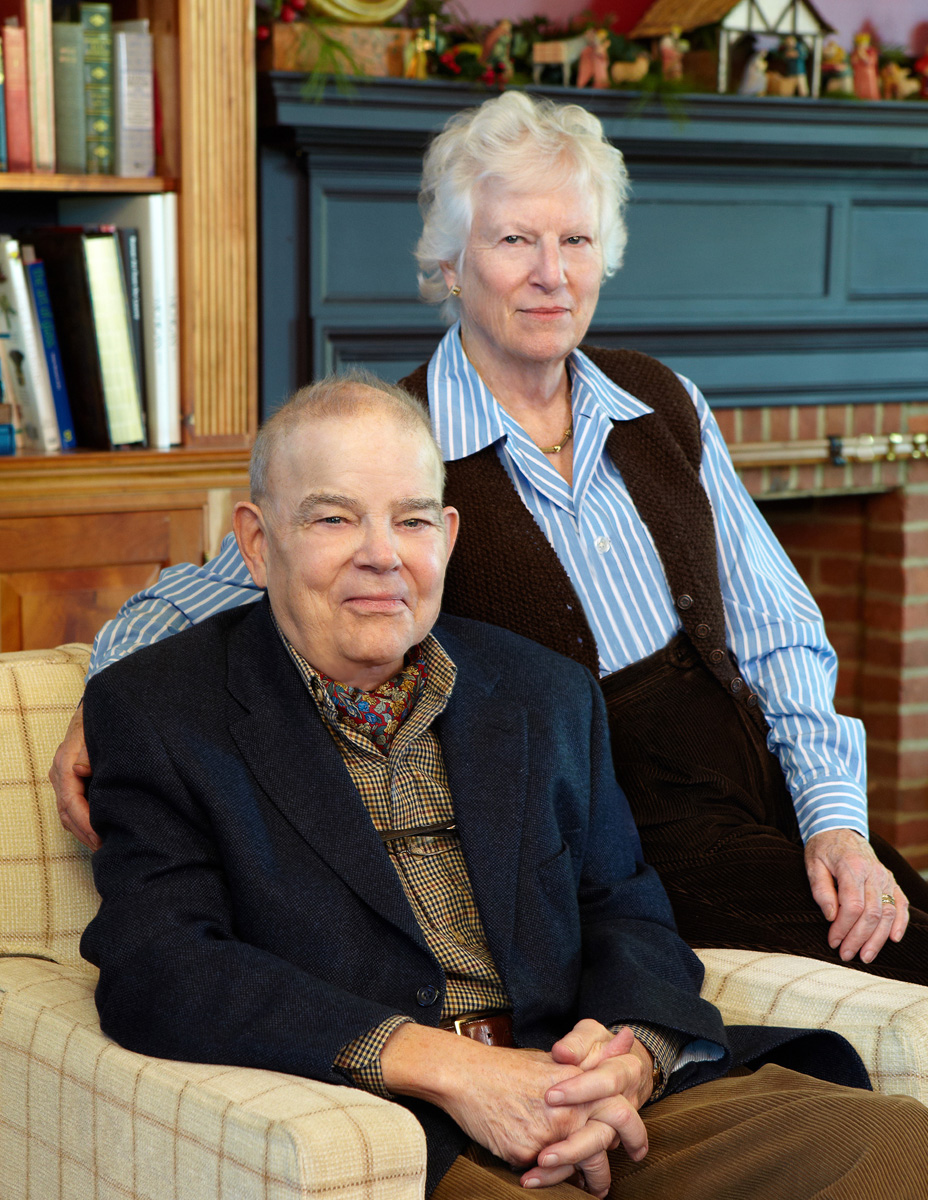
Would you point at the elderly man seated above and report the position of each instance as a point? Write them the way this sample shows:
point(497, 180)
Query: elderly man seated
point(338, 830)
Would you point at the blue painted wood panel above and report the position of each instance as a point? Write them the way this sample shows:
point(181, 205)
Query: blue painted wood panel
point(778, 252)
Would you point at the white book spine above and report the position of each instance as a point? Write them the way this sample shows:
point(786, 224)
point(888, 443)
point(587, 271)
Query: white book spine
point(29, 373)
point(172, 338)
point(41, 88)
point(133, 93)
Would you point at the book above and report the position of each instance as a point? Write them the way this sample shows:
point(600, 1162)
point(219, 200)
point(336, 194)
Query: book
point(133, 100)
point(155, 218)
point(16, 95)
point(34, 18)
point(129, 256)
point(45, 320)
point(88, 298)
point(70, 119)
point(3, 161)
point(96, 22)
point(29, 375)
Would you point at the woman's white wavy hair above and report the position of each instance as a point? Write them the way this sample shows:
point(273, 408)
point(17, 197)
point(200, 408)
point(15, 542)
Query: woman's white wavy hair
point(531, 146)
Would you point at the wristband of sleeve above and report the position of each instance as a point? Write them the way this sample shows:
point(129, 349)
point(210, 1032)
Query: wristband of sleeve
point(361, 1056)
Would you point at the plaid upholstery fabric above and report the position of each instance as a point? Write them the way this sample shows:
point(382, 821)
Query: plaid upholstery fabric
point(38, 860)
point(81, 1117)
point(886, 1021)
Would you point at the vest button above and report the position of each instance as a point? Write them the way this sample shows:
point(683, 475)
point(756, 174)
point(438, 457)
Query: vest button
point(703, 630)
point(737, 685)
point(427, 995)
point(716, 656)
point(685, 601)
point(752, 701)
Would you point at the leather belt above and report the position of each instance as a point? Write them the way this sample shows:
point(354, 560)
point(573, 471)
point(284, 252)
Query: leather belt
point(493, 1028)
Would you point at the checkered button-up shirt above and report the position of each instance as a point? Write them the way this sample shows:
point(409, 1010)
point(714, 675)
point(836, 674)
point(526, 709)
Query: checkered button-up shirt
point(408, 788)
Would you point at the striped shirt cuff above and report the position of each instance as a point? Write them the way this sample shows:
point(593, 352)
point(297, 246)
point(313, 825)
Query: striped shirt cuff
point(361, 1057)
point(831, 804)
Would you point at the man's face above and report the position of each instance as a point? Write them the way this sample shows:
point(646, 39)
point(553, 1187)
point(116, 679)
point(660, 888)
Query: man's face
point(352, 543)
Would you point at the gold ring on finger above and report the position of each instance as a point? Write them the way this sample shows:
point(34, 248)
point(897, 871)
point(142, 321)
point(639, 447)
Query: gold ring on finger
point(887, 899)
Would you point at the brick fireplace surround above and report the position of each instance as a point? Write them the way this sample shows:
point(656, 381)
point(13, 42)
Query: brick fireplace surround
point(858, 535)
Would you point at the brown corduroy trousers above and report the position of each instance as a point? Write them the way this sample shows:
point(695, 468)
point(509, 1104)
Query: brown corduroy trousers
point(771, 1135)
point(717, 822)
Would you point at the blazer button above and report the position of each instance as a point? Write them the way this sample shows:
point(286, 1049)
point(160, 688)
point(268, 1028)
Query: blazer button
point(703, 630)
point(716, 656)
point(684, 601)
point(737, 685)
point(752, 701)
point(427, 995)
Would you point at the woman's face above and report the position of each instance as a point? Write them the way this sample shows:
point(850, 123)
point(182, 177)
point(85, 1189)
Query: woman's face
point(530, 274)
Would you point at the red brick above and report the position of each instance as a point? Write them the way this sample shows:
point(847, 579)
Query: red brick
point(863, 476)
point(917, 421)
point(840, 607)
point(864, 418)
point(889, 725)
point(780, 424)
point(893, 474)
point(807, 478)
point(888, 508)
point(835, 420)
point(752, 425)
point(726, 423)
point(882, 687)
point(917, 471)
point(917, 857)
point(812, 533)
point(846, 642)
point(893, 418)
point(844, 570)
point(753, 480)
point(810, 423)
point(889, 617)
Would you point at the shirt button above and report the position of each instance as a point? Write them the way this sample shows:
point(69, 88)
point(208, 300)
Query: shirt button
point(603, 545)
point(684, 601)
point(427, 995)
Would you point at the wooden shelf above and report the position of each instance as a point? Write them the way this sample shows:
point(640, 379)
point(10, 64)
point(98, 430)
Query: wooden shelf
point(22, 181)
point(27, 478)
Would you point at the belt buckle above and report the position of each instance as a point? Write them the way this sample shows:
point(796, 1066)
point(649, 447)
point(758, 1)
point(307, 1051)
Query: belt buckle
point(466, 1018)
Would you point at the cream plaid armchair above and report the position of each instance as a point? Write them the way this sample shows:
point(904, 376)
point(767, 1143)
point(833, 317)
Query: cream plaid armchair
point(80, 1116)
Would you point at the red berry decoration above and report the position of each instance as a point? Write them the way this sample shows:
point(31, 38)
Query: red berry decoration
point(299, 5)
point(263, 32)
point(287, 14)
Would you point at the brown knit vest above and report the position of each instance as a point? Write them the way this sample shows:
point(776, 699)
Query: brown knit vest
point(505, 571)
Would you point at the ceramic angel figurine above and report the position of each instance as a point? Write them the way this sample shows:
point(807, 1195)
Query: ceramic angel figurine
point(864, 59)
point(594, 59)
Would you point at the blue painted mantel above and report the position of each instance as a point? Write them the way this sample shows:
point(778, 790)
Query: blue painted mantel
point(778, 248)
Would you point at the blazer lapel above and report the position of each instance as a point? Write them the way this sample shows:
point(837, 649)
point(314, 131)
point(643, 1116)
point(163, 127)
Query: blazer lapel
point(295, 761)
point(485, 750)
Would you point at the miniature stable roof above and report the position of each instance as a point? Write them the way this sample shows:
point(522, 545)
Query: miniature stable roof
point(754, 16)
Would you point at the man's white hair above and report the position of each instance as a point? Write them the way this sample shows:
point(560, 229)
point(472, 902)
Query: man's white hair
point(531, 146)
point(343, 396)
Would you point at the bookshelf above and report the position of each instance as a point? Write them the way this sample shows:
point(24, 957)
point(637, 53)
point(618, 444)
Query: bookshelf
point(80, 532)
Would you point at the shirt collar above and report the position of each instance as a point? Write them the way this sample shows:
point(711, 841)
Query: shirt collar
point(466, 418)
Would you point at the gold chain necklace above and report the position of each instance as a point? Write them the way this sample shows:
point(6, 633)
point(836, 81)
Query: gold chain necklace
point(565, 438)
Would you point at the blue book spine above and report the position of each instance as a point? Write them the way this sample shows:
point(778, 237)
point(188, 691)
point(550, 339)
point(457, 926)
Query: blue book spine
point(43, 309)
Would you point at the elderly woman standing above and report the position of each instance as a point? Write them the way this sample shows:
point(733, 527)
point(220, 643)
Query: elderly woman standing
point(602, 516)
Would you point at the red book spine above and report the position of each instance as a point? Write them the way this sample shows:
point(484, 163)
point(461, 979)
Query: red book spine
point(18, 128)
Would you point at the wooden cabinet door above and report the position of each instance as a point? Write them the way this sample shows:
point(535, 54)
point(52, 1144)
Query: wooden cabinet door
point(62, 576)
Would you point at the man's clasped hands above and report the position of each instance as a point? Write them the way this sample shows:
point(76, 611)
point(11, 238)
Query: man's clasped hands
point(560, 1110)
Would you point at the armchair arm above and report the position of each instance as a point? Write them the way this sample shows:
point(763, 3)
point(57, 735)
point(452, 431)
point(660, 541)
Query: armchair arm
point(886, 1021)
point(79, 1113)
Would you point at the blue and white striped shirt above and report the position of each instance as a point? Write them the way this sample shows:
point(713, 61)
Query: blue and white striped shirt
point(774, 626)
